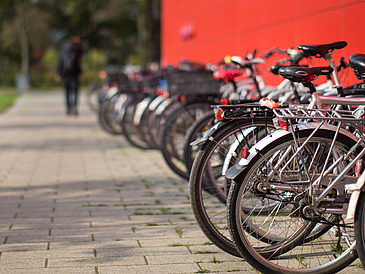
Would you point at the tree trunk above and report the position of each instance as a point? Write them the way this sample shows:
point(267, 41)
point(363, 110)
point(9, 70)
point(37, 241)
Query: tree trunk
point(142, 37)
point(24, 48)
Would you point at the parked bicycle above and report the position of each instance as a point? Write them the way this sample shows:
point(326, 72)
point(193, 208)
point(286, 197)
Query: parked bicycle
point(287, 204)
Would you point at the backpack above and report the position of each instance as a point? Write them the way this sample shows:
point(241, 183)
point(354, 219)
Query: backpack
point(69, 62)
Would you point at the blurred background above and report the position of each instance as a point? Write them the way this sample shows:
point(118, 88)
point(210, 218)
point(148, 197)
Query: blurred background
point(113, 33)
point(163, 32)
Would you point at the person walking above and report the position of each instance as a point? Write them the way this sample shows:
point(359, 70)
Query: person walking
point(69, 70)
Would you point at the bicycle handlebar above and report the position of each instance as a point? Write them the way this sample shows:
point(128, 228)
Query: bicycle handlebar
point(342, 65)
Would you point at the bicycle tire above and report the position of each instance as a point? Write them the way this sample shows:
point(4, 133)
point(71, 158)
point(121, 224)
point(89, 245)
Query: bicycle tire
point(360, 227)
point(140, 120)
point(131, 132)
point(94, 95)
point(254, 251)
point(195, 132)
point(207, 197)
point(156, 119)
point(106, 117)
point(174, 132)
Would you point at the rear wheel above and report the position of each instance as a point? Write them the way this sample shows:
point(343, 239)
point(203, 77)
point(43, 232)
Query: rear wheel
point(269, 175)
point(174, 132)
point(208, 186)
point(360, 227)
point(195, 132)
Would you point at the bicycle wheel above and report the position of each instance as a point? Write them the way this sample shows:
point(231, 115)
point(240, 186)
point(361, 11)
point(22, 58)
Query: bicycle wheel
point(208, 186)
point(131, 131)
point(174, 132)
point(107, 115)
point(156, 120)
point(360, 227)
point(94, 95)
point(195, 132)
point(269, 175)
point(140, 119)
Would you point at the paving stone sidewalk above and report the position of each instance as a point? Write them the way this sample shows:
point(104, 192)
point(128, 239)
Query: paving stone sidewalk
point(75, 199)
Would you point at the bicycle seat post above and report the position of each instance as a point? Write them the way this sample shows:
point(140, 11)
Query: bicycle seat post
point(338, 84)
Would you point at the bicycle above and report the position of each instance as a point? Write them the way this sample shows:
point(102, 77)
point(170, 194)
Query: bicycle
point(300, 169)
point(221, 147)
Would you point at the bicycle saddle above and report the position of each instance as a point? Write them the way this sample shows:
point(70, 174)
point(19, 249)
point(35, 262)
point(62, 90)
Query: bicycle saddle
point(243, 63)
point(303, 74)
point(275, 69)
point(357, 62)
point(227, 74)
point(321, 50)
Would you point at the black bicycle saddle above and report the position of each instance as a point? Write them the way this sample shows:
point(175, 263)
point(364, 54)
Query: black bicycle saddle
point(357, 61)
point(321, 50)
point(303, 74)
point(275, 68)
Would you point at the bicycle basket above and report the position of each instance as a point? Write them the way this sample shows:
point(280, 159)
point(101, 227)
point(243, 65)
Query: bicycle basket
point(192, 82)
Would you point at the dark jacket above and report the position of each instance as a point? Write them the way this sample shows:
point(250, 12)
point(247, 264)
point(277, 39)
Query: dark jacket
point(69, 63)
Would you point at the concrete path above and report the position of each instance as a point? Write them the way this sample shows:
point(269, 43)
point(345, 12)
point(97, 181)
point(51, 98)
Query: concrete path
point(75, 199)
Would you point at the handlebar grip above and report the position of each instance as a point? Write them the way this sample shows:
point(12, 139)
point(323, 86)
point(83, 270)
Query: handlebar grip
point(342, 65)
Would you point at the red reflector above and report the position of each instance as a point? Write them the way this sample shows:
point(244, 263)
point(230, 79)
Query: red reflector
point(224, 102)
point(359, 167)
point(283, 124)
point(244, 153)
point(218, 113)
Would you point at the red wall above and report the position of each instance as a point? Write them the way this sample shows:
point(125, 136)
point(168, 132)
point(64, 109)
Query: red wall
point(234, 27)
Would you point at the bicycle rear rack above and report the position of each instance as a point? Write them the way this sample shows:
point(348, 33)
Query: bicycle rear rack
point(353, 118)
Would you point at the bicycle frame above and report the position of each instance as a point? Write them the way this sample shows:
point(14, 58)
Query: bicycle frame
point(346, 118)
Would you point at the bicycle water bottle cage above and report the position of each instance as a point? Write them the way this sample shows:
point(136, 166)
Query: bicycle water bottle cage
point(244, 63)
point(357, 63)
point(303, 74)
point(321, 50)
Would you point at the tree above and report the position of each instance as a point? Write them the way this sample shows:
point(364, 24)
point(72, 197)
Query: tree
point(29, 24)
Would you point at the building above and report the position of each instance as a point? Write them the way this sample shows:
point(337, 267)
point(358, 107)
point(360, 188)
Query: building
point(207, 30)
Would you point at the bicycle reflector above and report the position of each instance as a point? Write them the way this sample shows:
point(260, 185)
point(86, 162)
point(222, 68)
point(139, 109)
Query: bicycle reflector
point(359, 168)
point(218, 114)
point(244, 153)
point(280, 124)
point(223, 102)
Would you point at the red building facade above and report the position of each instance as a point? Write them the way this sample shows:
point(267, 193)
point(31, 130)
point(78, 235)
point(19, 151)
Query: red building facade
point(207, 30)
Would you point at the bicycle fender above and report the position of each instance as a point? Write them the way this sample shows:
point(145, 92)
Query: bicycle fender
point(230, 154)
point(232, 149)
point(140, 108)
point(207, 134)
point(237, 169)
point(356, 189)
point(111, 91)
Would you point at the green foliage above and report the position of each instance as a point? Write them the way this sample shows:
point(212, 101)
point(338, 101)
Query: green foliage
point(7, 79)
point(96, 59)
point(110, 32)
point(88, 77)
point(50, 59)
point(7, 100)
